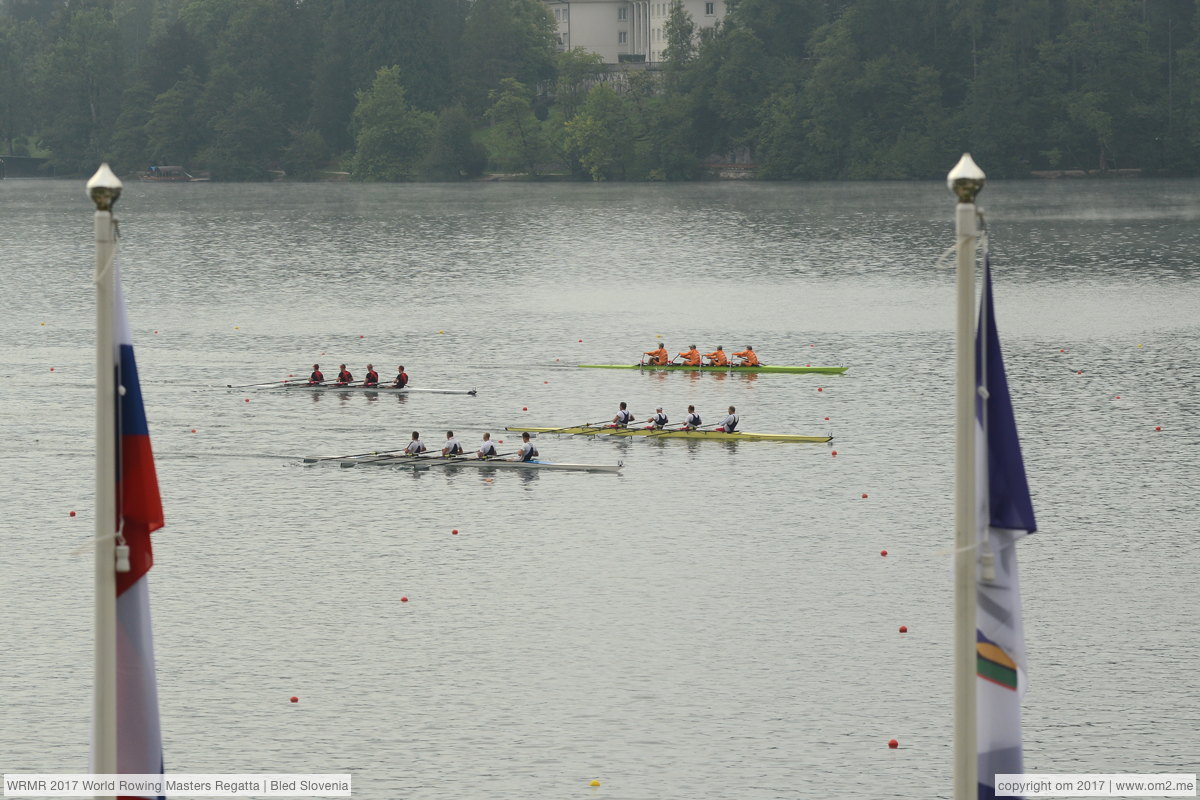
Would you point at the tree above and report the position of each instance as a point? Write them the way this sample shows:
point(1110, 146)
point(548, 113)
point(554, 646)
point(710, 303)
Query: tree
point(247, 138)
point(517, 139)
point(504, 39)
point(303, 158)
point(391, 138)
point(172, 132)
point(603, 135)
point(454, 153)
point(81, 84)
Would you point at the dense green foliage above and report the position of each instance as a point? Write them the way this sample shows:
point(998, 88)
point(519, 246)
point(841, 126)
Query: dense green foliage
point(444, 89)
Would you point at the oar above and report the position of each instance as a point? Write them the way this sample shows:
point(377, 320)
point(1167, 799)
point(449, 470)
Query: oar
point(472, 457)
point(347, 462)
point(697, 428)
point(584, 425)
point(269, 383)
point(311, 460)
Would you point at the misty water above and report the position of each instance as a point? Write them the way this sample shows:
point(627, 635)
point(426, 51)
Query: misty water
point(715, 621)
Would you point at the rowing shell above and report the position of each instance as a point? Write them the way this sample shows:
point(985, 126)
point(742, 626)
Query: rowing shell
point(329, 387)
point(721, 436)
point(425, 462)
point(760, 368)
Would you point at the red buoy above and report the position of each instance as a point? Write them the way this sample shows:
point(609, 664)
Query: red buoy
point(827, 419)
point(581, 340)
point(52, 369)
point(1080, 372)
point(819, 389)
point(455, 531)
point(1118, 397)
point(864, 497)
point(193, 430)
point(893, 744)
point(293, 699)
point(904, 629)
point(524, 408)
point(1061, 350)
point(834, 453)
point(247, 399)
point(1158, 427)
point(883, 553)
point(403, 599)
point(72, 513)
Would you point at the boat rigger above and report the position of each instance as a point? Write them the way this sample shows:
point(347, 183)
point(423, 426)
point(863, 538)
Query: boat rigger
point(720, 436)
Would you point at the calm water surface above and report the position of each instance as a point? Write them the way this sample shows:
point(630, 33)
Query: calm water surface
point(716, 621)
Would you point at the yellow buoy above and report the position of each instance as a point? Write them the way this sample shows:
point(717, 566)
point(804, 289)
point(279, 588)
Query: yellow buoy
point(594, 782)
point(44, 325)
point(237, 327)
point(441, 331)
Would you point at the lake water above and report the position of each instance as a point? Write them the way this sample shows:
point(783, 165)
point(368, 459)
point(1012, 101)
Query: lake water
point(716, 621)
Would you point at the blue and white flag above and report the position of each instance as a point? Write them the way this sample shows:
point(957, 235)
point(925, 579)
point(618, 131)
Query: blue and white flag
point(1005, 514)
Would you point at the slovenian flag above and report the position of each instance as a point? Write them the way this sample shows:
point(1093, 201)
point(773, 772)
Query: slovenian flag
point(139, 512)
point(1005, 515)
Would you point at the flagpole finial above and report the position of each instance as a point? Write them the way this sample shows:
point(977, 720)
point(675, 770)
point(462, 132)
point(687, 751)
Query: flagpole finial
point(966, 179)
point(104, 188)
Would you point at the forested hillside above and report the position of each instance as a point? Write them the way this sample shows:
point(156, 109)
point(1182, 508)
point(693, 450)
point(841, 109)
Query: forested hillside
point(446, 89)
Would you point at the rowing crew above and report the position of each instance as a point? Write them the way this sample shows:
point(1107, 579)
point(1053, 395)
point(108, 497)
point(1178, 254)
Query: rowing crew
point(691, 421)
point(344, 378)
point(692, 358)
point(487, 449)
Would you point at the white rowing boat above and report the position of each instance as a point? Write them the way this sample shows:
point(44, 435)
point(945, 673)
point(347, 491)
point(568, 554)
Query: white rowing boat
point(330, 387)
point(425, 462)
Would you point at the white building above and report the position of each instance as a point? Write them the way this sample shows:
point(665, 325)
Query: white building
point(625, 30)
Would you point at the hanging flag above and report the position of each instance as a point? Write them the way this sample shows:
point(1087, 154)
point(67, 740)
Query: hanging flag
point(1005, 515)
point(139, 512)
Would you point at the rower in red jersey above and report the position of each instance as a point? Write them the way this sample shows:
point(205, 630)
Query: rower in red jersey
point(344, 376)
point(372, 378)
point(401, 378)
point(317, 376)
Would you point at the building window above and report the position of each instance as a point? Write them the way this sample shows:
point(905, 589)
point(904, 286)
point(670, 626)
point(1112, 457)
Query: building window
point(620, 37)
point(621, 13)
point(558, 14)
point(710, 9)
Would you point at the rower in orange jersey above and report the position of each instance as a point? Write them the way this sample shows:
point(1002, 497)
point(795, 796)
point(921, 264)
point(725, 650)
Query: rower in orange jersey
point(658, 358)
point(691, 357)
point(717, 358)
point(749, 359)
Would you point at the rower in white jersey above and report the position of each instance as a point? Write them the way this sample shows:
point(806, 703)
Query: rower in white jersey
point(659, 419)
point(487, 449)
point(452, 448)
point(528, 451)
point(623, 417)
point(692, 420)
point(729, 424)
point(416, 446)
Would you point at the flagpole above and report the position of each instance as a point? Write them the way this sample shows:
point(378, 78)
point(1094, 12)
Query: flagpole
point(104, 188)
point(965, 180)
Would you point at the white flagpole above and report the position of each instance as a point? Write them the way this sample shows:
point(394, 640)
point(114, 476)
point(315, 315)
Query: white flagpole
point(104, 188)
point(965, 180)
